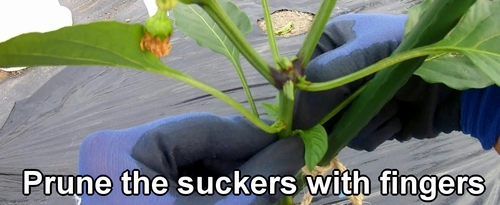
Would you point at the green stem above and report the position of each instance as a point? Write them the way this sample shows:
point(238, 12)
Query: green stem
point(270, 33)
point(244, 83)
point(285, 114)
point(229, 28)
point(164, 5)
point(285, 200)
point(313, 35)
point(335, 111)
point(342, 105)
point(385, 63)
point(172, 73)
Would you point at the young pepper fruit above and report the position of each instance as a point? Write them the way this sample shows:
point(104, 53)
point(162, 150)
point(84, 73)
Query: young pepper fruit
point(158, 30)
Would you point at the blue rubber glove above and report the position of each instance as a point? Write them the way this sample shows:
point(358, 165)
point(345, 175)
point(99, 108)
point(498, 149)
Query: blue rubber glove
point(418, 110)
point(480, 115)
point(192, 145)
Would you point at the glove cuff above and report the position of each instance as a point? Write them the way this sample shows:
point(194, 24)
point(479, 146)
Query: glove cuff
point(480, 115)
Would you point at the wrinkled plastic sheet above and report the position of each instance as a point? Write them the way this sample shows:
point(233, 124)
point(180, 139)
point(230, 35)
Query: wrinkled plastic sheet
point(44, 131)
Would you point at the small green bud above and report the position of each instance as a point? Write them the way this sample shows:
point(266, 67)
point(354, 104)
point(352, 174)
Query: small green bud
point(166, 5)
point(159, 25)
point(285, 65)
point(302, 80)
point(157, 36)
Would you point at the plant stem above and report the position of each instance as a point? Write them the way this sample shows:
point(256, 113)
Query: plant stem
point(385, 63)
point(335, 111)
point(285, 200)
point(342, 105)
point(270, 33)
point(172, 73)
point(314, 33)
point(229, 28)
point(285, 114)
point(244, 83)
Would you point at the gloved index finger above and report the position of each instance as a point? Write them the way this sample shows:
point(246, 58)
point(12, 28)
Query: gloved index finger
point(185, 139)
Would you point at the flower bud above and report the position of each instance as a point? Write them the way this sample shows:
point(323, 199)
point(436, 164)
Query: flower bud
point(158, 31)
point(166, 5)
point(159, 25)
point(285, 65)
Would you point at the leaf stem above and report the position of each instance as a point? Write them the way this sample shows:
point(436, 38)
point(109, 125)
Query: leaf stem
point(218, 14)
point(314, 33)
point(342, 105)
point(286, 105)
point(385, 63)
point(270, 33)
point(244, 83)
point(172, 73)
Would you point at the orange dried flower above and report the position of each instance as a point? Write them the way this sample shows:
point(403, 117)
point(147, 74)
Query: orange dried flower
point(155, 45)
point(158, 30)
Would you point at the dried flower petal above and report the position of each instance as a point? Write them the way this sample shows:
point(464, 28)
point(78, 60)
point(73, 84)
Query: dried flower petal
point(155, 45)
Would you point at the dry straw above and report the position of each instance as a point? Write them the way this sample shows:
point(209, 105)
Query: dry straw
point(321, 171)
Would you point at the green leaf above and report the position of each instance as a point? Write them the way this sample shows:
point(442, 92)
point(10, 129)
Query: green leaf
point(316, 144)
point(476, 39)
point(271, 110)
point(415, 13)
point(455, 70)
point(286, 29)
point(288, 90)
point(101, 43)
point(193, 21)
point(440, 18)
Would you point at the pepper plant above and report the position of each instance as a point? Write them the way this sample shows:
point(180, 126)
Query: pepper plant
point(454, 42)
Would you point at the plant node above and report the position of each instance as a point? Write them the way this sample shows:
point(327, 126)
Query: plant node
point(288, 71)
point(285, 65)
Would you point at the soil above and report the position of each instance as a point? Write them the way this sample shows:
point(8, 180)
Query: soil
point(301, 21)
point(4, 75)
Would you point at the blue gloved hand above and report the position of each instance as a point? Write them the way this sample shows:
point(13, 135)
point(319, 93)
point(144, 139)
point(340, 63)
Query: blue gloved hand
point(418, 110)
point(480, 115)
point(207, 145)
point(192, 145)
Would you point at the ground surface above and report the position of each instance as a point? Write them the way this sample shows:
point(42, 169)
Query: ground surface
point(56, 107)
point(295, 22)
